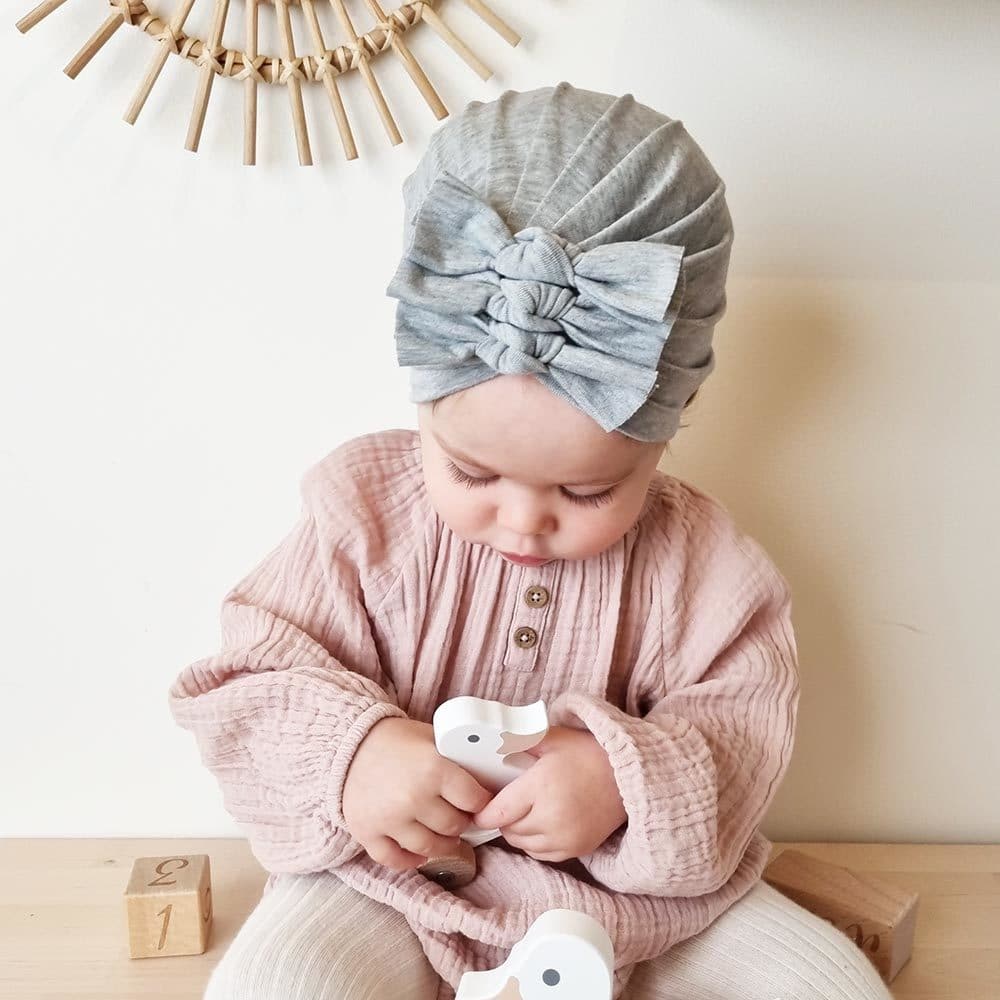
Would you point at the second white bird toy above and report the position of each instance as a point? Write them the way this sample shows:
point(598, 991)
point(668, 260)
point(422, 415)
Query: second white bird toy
point(564, 955)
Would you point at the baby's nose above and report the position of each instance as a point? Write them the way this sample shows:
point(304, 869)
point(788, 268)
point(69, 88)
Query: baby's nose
point(525, 523)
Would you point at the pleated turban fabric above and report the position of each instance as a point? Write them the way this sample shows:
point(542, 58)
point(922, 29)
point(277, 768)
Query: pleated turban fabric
point(578, 236)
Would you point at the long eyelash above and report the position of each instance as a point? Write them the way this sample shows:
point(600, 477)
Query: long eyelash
point(471, 482)
point(464, 478)
point(591, 500)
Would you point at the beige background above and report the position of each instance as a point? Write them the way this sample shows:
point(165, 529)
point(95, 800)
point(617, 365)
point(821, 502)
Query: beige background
point(183, 337)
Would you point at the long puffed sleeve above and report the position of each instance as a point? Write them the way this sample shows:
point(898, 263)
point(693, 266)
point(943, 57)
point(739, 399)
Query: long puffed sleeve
point(698, 770)
point(279, 712)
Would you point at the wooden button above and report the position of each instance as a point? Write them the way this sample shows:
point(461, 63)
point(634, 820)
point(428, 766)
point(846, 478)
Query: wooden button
point(525, 637)
point(536, 597)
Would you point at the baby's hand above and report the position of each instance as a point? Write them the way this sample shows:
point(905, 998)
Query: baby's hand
point(565, 805)
point(404, 802)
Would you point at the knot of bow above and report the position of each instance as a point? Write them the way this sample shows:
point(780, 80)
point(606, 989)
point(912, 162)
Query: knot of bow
point(594, 321)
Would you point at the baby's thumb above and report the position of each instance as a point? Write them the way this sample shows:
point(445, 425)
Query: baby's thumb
point(488, 818)
point(508, 805)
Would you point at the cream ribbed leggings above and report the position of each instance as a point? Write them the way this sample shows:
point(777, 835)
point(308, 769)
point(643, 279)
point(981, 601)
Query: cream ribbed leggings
point(311, 937)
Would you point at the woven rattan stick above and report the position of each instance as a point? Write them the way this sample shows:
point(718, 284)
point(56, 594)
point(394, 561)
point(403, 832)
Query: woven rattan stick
point(168, 44)
point(330, 82)
point(250, 87)
point(207, 75)
point(293, 83)
point(366, 71)
point(94, 43)
point(479, 67)
point(417, 74)
point(497, 23)
point(34, 16)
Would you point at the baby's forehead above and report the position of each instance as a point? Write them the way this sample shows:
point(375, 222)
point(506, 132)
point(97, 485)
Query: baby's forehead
point(513, 418)
point(521, 396)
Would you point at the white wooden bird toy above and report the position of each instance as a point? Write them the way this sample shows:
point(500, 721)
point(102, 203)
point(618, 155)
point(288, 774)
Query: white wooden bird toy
point(564, 955)
point(488, 739)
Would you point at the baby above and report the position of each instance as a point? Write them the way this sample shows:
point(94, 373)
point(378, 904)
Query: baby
point(564, 266)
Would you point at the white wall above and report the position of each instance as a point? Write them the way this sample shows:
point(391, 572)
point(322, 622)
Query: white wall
point(183, 336)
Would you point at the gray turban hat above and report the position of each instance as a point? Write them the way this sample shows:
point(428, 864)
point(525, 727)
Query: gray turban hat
point(577, 236)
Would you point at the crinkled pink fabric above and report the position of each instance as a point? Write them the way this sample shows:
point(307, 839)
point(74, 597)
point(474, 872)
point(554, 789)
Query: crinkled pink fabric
point(674, 647)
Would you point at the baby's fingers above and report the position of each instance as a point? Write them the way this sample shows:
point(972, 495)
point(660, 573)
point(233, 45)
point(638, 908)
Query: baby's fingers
point(510, 805)
point(443, 818)
point(536, 846)
point(462, 790)
point(386, 851)
point(526, 826)
point(417, 838)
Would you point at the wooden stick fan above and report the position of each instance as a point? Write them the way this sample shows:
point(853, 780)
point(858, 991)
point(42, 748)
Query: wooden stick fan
point(290, 68)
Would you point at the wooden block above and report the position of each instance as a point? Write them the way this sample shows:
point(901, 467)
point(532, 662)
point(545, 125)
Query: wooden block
point(168, 905)
point(878, 916)
point(451, 871)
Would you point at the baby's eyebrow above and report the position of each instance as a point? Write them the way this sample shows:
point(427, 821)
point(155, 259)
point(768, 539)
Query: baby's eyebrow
point(461, 456)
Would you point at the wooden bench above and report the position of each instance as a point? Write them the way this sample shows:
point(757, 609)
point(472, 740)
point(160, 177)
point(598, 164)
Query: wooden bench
point(62, 923)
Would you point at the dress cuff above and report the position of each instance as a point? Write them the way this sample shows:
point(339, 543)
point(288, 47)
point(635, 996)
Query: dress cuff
point(347, 747)
point(666, 776)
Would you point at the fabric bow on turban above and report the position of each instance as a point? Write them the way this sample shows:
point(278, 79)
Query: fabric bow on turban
point(475, 301)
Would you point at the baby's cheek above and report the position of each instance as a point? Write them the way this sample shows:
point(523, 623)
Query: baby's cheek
point(592, 535)
point(461, 513)
point(466, 519)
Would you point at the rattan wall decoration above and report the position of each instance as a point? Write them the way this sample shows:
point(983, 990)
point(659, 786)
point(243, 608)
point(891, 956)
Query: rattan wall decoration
point(290, 68)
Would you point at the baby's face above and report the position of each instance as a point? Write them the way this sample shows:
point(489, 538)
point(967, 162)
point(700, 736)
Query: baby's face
point(510, 464)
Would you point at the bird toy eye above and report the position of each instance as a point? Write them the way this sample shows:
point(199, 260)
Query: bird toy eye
point(473, 738)
point(550, 977)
